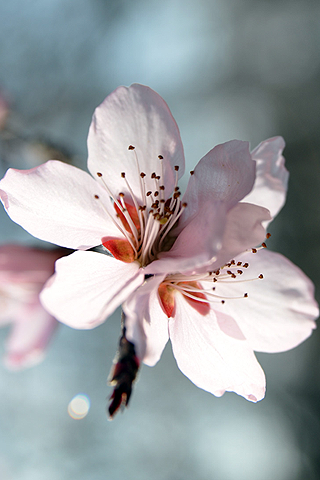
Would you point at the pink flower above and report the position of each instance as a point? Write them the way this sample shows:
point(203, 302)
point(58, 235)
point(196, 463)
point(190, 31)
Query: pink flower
point(182, 268)
point(23, 272)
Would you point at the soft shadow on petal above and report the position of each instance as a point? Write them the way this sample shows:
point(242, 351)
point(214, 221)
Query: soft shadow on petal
point(280, 310)
point(135, 116)
point(146, 324)
point(212, 359)
point(87, 287)
point(56, 203)
point(226, 174)
point(270, 187)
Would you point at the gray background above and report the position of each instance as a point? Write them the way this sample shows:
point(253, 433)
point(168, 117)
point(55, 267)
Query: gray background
point(243, 69)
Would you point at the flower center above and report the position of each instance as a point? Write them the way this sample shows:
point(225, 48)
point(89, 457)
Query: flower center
point(146, 228)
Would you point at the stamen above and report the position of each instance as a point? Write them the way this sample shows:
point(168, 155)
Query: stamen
point(124, 233)
point(140, 174)
point(120, 207)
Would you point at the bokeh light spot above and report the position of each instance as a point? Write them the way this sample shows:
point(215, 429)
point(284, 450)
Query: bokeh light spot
point(79, 406)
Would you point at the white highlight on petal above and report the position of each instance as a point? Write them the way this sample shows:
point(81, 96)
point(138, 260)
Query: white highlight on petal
point(79, 406)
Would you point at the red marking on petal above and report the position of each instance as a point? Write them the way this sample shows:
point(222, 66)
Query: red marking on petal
point(133, 214)
point(119, 248)
point(166, 299)
point(202, 307)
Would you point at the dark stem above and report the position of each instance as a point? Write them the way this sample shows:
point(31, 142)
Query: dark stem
point(123, 373)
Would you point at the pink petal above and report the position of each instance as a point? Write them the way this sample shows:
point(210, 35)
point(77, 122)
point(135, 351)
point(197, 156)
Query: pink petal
point(55, 202)
point(87, 287)
point(226, 174)
point(135, 116)
point(146, 324)
point(198, 243)
point(271, 182)
point(243, 231)
point(280, 309)
point(31, 332)
point(21, 265)
point(210, 358)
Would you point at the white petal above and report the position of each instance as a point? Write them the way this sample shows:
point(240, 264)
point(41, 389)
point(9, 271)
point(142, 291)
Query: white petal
point(197, 244)
point(210, 358)
point(271, 182)
point(280, 309)
point(55, 202)
point(146, 324)
point(135, 116)
point(225, 174)
point(244, 229)
point(87, 287)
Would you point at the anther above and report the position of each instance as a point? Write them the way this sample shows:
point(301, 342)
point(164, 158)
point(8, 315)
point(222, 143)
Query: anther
point(97, 197)
point(239, 264)
point(268, 235)
point(121, 194)
point(99, 174)
point(254, 250)
point(264, 245)
point(153, 175)
point(176, 167)
point(156, 193)
point(245, 295)
point(260, 276)
point(123, 175)
point(160, 157)
point(240, 272)
point(131, 147)
point(176, 189)
point(223, 301)
point(184, 204)
point(148, 194)
point(161, 187)
point(158, 177)
point(245, 265)
point(142, 175)
point(191, 172)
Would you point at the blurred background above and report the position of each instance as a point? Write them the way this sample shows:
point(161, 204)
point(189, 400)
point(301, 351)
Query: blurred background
point(242, 69)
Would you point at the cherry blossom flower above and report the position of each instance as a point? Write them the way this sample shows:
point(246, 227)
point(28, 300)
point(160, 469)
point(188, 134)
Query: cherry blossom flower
point(23, 272)
point(185, 267)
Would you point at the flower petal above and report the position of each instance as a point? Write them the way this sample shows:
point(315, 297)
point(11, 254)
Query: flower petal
point(24, 266)
point(210, 358)
point(243, 230)
point(87, 287)
point(271, 182)
point(198, 243)
point(135, 116)
point(280, 309)
point(146, 323)
point(226, 174)
point(31, 332)
point(56, 203)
